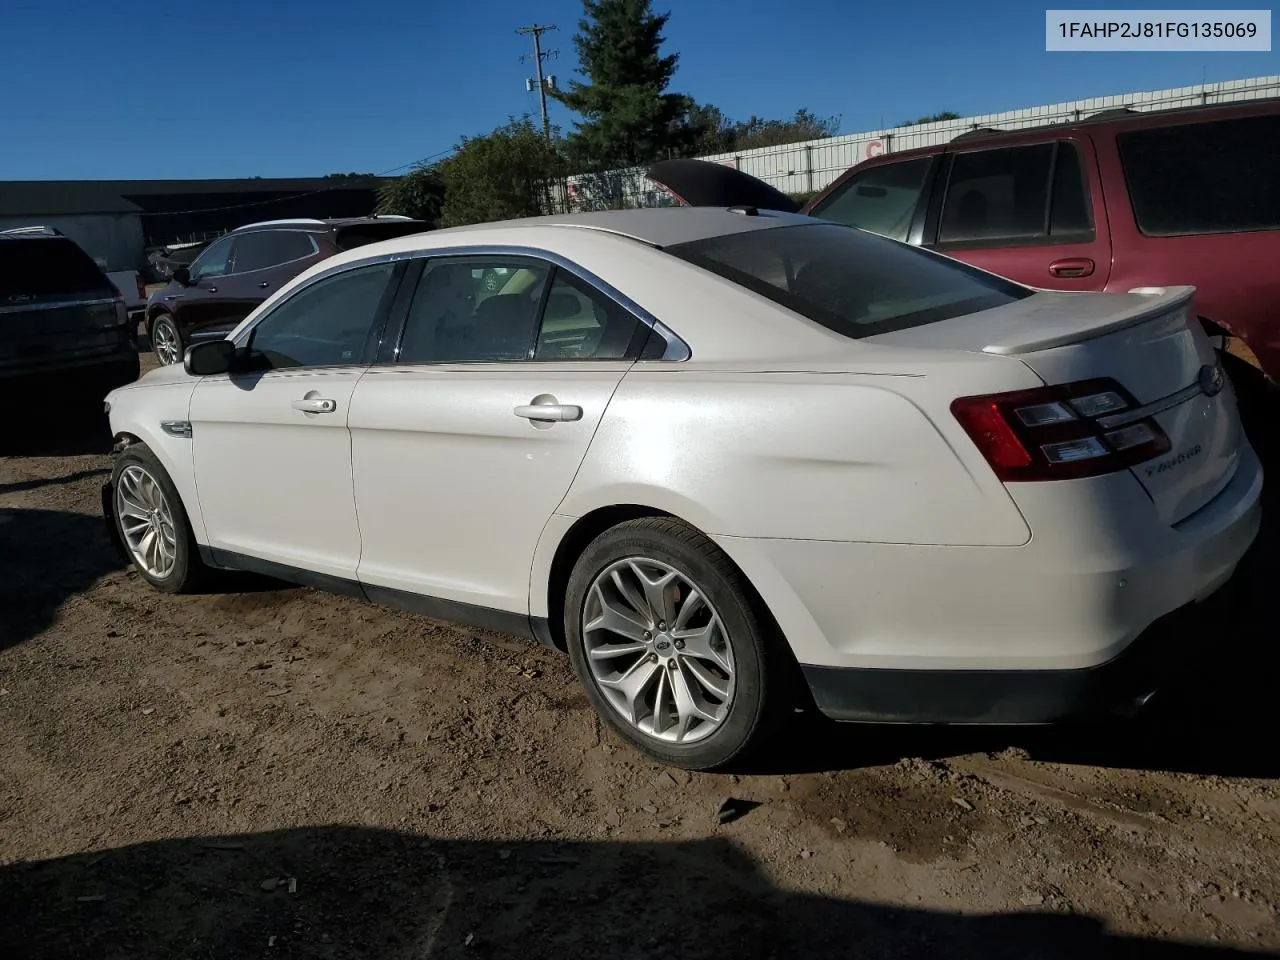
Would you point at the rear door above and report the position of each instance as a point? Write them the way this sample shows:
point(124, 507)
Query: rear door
point(465, 441)
point(1028, 212)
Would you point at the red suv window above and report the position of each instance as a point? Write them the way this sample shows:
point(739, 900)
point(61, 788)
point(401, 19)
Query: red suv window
point(1030, 193)
point(1196, 178)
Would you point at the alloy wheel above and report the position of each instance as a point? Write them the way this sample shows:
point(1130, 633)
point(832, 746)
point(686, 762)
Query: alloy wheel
point(658, 651)
point(164, 339)
point(146, 522)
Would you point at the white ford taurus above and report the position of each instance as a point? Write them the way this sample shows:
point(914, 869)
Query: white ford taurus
point(726, 458)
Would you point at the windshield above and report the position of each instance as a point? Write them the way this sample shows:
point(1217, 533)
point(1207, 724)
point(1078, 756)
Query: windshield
point(46, 266)
point(852, 282)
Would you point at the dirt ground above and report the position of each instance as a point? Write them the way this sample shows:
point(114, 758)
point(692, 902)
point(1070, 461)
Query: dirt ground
point(267, 771)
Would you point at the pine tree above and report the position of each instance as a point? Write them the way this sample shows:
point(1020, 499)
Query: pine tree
point(628, 118)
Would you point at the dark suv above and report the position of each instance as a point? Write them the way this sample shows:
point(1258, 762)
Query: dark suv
point(63, 325)
point(1120, 200)
point(240, 270)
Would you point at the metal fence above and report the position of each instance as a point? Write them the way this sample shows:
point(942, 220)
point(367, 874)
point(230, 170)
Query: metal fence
point(804, 168)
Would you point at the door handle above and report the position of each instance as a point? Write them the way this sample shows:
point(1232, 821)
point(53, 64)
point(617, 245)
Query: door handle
point(264, 284)
point(1071, 267)
point(315, 405)
point(549, 412)
point(213, 289)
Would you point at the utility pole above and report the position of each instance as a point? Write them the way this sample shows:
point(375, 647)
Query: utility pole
point(536, 31)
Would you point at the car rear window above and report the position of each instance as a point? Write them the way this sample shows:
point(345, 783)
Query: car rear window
point(1200, 178)
point(358, 235)
point(852, 282)
point(45, 266)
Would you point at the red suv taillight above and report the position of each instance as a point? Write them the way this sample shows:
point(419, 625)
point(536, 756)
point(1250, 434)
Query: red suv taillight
point(1057, 433)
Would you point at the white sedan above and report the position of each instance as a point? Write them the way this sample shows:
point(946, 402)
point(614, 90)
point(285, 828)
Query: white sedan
point(734, 462)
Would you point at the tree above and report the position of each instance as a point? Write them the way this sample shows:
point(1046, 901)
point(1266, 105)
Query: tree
point(933, 118)
point(499, 176)
point(710, 131)
point(418, 194)
point(628, 118)
point(805, 125)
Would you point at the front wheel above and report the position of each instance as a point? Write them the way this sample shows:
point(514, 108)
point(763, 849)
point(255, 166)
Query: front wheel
point(152, 524)
point(671, 645)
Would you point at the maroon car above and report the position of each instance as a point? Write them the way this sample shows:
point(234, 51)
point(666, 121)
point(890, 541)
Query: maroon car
point(1120, 200)
point(238, 271)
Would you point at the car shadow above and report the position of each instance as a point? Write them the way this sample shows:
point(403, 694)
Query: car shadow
point(49, 557)
point(345, 892)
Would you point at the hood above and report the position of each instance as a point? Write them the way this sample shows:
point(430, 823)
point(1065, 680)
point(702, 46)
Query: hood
point(702, 183)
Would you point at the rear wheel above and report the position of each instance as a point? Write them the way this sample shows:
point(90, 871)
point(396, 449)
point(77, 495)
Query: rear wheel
point(152, 523)
point(165, 340)
point(668, 639)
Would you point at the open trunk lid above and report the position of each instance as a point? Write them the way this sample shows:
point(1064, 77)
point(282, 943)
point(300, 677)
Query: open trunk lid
point(1152, 344)
point(701, 183)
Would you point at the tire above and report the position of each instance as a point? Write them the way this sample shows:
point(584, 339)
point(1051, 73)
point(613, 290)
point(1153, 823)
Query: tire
point(166, 341)
point(732, 630)
point(139, 484)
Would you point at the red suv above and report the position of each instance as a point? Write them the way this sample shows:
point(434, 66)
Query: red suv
point(1119, 200)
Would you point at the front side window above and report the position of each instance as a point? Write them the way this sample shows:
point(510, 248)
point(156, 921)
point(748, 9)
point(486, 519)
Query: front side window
point(213, 261)
point(1199, 178)
point(882, 200)
point(270, 248)
point(474, 309)
point(848, 281)
point(329, 323)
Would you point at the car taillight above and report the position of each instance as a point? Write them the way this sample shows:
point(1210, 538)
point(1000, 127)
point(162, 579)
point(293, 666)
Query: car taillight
point(1058, 433)
point(142, 287)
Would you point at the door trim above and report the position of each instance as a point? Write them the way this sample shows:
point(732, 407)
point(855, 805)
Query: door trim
point(452, 611)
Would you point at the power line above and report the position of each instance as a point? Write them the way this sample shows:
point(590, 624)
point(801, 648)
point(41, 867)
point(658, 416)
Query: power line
point(536, 31)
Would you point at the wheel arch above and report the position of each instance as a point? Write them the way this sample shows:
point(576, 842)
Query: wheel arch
point(583, 530)
point(169, 454)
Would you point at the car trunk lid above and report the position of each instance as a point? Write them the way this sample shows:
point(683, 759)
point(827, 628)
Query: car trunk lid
point(701, 183)
point(1152, 344)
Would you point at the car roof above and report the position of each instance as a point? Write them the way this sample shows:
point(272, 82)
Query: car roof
point(307, 223)
point(656, 226)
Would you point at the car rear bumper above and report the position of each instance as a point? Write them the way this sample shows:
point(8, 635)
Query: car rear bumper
point(1120, 687)
point(1063, 625)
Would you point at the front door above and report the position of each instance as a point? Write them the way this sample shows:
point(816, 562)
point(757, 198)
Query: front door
point(466, 442)
point(272, 449)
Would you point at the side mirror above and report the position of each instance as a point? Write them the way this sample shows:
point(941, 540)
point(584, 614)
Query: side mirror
point(208, 359)
point(182, 275)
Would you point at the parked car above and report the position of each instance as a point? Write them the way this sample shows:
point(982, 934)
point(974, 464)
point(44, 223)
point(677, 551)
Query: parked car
point(238, 271)
point(728, 461)
point(63, 325)
point(1114, 202)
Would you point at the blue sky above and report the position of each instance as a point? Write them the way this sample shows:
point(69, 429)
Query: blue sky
point(122, 89)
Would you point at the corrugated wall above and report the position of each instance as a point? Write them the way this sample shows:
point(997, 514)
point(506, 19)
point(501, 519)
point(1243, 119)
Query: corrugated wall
point(810, 166)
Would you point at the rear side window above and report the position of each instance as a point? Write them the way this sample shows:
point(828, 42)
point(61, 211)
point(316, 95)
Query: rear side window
point(882, 200)
point(1218, 177)
point(1016, 194)
point(270, 248)
point(850, 282)
point(43, 267)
